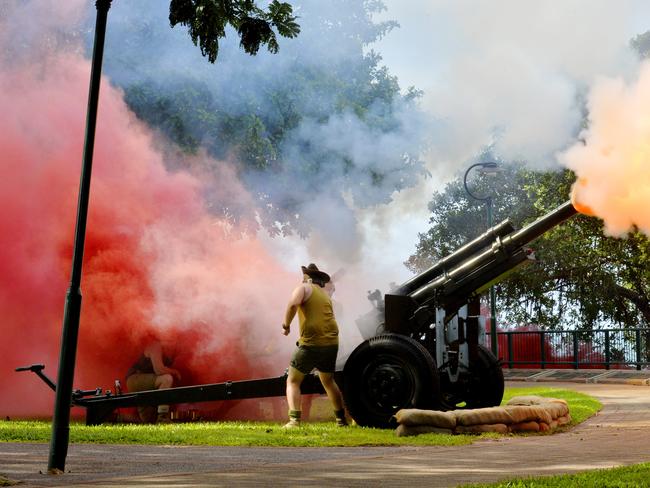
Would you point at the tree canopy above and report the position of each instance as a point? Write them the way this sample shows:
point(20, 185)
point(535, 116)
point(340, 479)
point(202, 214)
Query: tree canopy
point(321, 117)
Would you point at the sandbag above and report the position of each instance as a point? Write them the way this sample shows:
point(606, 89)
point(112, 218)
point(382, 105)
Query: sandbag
point(409, 430)
point(480, 429)
point(525, 413)
point(522, 413)
point(527, 400)
point(563, 403)
point(478, 416)
point(558, 400)
point(531, 426)
point(556, 409)
point(415, 416)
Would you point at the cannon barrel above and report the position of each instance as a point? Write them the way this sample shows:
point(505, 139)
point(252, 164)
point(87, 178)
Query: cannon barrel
point(480, 271)
point(456, 257)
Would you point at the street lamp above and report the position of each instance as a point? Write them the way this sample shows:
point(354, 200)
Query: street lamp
point(487, 168)
point(72, 310)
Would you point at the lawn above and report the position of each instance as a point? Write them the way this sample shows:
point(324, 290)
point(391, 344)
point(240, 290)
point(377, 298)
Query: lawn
point(312, 434)
point(637, 475)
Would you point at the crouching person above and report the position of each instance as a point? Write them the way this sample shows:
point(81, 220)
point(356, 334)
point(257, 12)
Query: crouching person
point(152, 371)
point(318, 343)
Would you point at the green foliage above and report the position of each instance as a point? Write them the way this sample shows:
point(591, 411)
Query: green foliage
point(581, 278)
point(206, 21)
point(588, 277)
point(457, 218)
point(272, 117)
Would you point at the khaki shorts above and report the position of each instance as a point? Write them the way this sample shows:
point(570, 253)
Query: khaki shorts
point(322, 358)
point(141, 382)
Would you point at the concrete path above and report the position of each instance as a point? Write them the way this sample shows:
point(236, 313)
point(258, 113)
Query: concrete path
point(618, 435)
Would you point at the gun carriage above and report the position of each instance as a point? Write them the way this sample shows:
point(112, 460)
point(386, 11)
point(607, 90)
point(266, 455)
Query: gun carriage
point(423, 342)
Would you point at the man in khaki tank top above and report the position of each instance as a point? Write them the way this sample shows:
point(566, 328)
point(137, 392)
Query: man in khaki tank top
point(318, 344)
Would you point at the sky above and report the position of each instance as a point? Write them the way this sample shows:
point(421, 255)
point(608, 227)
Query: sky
point(433, 32)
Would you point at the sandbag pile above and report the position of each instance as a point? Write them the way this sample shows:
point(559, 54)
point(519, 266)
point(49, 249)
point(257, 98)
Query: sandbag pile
point(528, 413)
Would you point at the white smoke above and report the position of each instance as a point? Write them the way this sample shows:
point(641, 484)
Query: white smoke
point(509, 72)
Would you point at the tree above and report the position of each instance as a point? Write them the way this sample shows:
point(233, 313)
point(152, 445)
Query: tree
point(580, 279)
point(206, 21)
point(322, 117)
point(641, 44)
point(456, 218)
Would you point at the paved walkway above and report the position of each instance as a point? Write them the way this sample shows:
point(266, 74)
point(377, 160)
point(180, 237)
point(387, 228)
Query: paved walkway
point(617, 376)
point(618, 435)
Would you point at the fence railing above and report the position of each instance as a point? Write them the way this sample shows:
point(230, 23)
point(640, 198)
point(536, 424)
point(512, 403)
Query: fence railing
point(607, 348)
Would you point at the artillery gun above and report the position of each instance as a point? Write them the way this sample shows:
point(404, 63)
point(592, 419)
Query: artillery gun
point(423, 342)
point(427, 349)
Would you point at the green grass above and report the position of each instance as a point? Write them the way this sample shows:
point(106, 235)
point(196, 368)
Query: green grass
point(318, 434)
point(637, 475)
point(312, 434)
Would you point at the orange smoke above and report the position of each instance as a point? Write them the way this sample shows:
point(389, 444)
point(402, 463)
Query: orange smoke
point(576, 198)
point(612, 164)
point(156, 262)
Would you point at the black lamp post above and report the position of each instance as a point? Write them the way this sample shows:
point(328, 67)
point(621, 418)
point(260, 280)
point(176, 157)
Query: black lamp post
point(487, 168)
point(61, 420)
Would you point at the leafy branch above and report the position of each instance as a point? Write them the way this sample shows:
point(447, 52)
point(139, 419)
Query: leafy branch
point(206, 21)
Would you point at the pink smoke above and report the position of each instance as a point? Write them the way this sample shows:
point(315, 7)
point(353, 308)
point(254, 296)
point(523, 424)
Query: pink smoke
point(157, 263)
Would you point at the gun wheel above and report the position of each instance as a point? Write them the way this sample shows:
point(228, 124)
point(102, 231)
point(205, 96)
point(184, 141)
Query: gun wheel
point(487, 383)
point(385, 374)
point(482, 387)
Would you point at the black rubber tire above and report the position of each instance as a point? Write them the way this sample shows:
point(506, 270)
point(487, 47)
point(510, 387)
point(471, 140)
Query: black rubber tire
point(385, 374)
point(486, 384)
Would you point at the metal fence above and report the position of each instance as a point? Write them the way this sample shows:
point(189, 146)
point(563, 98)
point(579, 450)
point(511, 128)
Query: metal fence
point(609, 349)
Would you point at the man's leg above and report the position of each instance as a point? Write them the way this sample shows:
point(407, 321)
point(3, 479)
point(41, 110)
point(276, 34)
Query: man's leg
point(306, 402)
point(143, 382)
point(294, 380)
point(334, 394)
point(164, 381)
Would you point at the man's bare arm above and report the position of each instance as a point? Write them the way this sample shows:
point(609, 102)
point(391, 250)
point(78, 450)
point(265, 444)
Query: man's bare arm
point(298, 296)
point(155, 354)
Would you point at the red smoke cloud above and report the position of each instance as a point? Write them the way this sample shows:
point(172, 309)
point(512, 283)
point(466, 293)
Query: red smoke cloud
point(156, 262)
